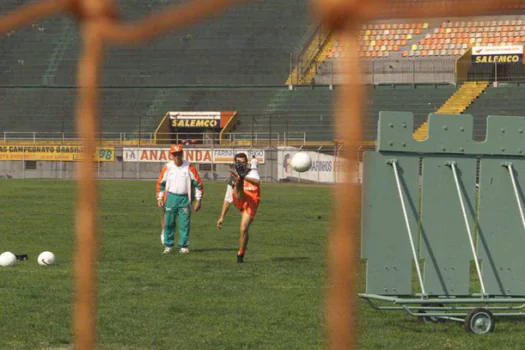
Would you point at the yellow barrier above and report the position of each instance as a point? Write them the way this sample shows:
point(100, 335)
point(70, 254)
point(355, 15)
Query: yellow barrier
point(63, 153)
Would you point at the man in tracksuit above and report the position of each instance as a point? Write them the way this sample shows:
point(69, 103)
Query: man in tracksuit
point(170, 157)
point(178, 184)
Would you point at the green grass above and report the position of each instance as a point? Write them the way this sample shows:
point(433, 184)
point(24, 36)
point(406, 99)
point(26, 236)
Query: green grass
point(204, 300)
point(146, 300)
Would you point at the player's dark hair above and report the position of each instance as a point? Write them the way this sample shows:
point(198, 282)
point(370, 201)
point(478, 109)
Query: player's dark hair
point(240, 155)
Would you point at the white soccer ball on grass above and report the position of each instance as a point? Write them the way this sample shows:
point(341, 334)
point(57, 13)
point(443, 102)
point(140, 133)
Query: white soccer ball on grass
point(301, 162)
point(7, 259)
point(46, 258)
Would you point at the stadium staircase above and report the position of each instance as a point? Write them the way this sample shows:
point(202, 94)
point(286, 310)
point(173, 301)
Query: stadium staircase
point(61, 44)
point(322, 53)
point(456, 104)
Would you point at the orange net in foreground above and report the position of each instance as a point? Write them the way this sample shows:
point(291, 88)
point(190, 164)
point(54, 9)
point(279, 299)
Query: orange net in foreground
point(345, 18)
point(100, 27)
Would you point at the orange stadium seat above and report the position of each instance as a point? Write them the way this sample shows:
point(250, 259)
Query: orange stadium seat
point(450, 38)
point(380, 40)
point(453, 38)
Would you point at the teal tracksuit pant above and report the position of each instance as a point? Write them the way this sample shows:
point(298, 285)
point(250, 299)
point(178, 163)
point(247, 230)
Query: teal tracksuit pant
point(177, 210)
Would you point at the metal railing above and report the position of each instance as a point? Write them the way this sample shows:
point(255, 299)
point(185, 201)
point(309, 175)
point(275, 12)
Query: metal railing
point(131, 138)
point(399, 71)
point(301, 60)
point(423, 71)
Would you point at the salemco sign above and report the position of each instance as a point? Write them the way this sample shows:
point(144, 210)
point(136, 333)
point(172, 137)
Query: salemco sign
point(497, 54)
point(195, 123)
point(199, 121)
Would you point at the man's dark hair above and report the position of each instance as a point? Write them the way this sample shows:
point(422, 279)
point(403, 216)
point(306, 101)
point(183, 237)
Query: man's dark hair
point(240, 155)
point(253, 156)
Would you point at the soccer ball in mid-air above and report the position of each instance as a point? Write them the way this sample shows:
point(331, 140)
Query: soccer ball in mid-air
point(301, 162)
point(46, 258)
point(7, 259)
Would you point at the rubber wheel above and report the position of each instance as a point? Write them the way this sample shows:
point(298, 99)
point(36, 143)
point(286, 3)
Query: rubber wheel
point(431, 319)
point(480, 321)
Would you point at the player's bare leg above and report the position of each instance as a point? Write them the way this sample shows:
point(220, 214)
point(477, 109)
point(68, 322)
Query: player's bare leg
point(246, 221)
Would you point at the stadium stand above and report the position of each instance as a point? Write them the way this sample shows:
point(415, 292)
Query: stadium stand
point(249, 45)
point(456, 104)
point(399, 52)
point(292, 113)
point(501, 72)
point(221, 65)
point(380, 40)
point(455, 37)
point(505, 99)
point(307, 110)
point(448, 38)
point(134, 110)
point(48, 110)
point(420, 100)
point(276, 110)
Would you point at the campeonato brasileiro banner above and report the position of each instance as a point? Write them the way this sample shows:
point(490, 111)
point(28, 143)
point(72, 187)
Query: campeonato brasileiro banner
point(192, 155)
point(53, 153)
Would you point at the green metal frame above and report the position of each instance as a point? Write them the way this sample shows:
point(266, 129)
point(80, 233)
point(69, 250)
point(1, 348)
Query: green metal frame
point(441, 205)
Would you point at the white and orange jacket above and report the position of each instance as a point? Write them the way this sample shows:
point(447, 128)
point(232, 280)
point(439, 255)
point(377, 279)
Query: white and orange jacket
point(179, 180)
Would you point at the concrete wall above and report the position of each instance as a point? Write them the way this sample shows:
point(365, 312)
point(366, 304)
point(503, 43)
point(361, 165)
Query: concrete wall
point(401, 71)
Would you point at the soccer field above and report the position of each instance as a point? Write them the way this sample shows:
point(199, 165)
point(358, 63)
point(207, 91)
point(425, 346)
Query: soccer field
point(203, 300)
point(147, 300)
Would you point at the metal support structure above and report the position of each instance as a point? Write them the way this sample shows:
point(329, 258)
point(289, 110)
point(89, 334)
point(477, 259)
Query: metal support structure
point(447, 308)
point(409, 230)
point(432, 198)
point(452, 165)
point(516, 193)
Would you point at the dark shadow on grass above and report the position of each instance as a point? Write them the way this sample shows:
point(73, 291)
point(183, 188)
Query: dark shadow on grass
point(290, 258)
point(206, 250)
point(60, 342)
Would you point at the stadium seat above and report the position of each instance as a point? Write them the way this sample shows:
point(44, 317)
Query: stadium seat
point(219, 51)
point(381, 40)
point(456, 37)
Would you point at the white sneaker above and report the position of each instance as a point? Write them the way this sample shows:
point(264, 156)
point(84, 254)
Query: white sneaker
point(184, 250)
point(167, 250)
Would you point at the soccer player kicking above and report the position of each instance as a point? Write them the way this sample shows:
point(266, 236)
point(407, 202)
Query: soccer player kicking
point(244, 192)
